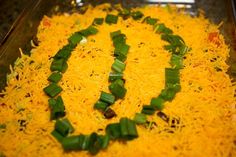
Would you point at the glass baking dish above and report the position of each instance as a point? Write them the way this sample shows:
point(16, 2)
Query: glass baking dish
point(25, 27)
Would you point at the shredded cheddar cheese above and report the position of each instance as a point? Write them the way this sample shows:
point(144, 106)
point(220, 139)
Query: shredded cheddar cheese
point(205, 106)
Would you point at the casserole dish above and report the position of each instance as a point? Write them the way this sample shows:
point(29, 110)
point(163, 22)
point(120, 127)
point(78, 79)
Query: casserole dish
point(185, 115)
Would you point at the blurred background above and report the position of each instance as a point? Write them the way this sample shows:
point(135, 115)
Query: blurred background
point(19, 20)
point(11, 9)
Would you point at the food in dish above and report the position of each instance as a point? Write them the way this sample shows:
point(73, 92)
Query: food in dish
point(197, 121)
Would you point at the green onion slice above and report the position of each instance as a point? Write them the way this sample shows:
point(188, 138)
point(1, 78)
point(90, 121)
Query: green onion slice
point(57, 107)
point(114, 76)
point(113, 130)
point(119, 82)
point(136, 15)
point(172, 76)
point(98, 21)
point(174, 40)
point(140, 118)
point(148, 109)
point(55, 77)
point(115, 33)
point(121, 51)
point(107, 97)
point(117, 89)
point(95, 143)
point(3, 126)
point(75, 38)
point(100, 105)
point(91, 30)
point(111, 19)
point(161, 28)
point(176, 61)
point(118, 66)
point(105, 141)
point(57, 135)
point(63, 54)
point(64, 127)
point(122, 48)
point(59, 65)
point(119, 39)
point(125, 13)
point(128, 129)
point(168, 94)
point(86, 142)
point(157, 103)
point(52, 90)
point(150, 21)
point(73, 142)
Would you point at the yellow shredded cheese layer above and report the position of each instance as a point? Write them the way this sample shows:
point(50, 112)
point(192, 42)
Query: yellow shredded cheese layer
point(205, 105)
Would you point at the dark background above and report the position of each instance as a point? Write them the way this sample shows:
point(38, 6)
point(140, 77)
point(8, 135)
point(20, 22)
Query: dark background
point(10, 9)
